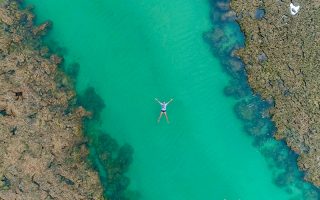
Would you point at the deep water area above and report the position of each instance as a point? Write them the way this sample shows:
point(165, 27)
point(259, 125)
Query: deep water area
point(122, 54)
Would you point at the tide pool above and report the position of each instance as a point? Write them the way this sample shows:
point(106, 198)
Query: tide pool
point(133, 51)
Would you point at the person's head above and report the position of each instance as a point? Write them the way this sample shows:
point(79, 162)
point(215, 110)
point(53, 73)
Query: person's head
point(164, 102)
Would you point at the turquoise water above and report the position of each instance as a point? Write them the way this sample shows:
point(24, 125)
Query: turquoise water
point(133, 51)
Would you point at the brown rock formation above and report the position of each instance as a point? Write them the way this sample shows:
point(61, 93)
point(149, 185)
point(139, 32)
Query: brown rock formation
point(282, 57)
point(42, 149)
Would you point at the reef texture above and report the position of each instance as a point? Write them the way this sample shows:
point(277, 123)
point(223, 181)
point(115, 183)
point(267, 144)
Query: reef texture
point(282, 57)
point(43, 151)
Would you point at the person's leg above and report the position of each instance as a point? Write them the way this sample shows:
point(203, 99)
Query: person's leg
point(166, 117)
point(160, 117)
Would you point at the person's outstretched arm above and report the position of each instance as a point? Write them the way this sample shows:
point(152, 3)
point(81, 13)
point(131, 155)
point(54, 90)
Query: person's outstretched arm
point(170, 101)
point(157, 100)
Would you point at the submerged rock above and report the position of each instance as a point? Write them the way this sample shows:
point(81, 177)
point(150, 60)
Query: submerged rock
point(115, 161)
point(223, 6)
point(230, 15)
point(43, 152)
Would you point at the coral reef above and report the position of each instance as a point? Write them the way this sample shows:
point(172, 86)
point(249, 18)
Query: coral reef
point(282, 60)
point(115, 161)
point(43, 151)
point(251, 108)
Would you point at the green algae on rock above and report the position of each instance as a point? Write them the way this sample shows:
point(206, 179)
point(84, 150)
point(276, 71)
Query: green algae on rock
point(282, 60)
point(43, 152)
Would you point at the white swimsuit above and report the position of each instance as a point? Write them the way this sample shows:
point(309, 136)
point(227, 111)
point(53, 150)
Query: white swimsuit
point(164, 106)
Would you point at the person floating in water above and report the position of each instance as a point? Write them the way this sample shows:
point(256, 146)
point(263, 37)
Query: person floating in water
point(163, 109)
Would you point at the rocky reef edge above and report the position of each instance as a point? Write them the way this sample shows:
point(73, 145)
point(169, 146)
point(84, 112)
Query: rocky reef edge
point(43, 150)
point(281, 54)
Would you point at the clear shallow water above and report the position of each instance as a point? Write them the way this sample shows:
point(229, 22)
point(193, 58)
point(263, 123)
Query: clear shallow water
point(132, 51)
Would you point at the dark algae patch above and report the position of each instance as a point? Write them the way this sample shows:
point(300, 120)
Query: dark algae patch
point(106, 155)
point(115, 161)
point(280, 66)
